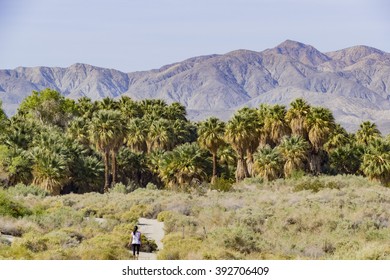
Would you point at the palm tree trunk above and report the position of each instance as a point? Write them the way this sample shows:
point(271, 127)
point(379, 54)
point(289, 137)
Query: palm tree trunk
point(113, 168)
point(315, 163)
point(250, 163)
point(214, 177)
point(106, 172)
point(242, 169)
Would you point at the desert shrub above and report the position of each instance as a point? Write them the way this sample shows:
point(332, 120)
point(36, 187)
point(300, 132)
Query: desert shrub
point(253, 181)
point(164, 216)
point(10, 207)
point(104, 247)
point(297, 174)
point(119, 188)
point(239, 239)
point(178, 248)
point(147, 245)
point(34, 242)
point(151, 186)
point(23, 190)
point(316, 185)
point(221, 184)
point(16, 226)
point(58, 217)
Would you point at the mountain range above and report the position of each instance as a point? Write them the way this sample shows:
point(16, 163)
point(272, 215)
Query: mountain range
point(353, 82)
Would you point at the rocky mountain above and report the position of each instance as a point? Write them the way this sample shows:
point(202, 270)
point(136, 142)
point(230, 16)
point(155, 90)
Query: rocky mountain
point(354, 82)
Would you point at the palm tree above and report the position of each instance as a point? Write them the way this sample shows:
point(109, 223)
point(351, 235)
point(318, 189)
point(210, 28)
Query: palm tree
point(85, 107)
point(294, 151)
point(106, 132)
point(320, 123)
point(107, 103)
point(345, 159)
point(275, 125)
point(154, 107)
point(160, 135)
point(228, 159)
point(78, 130)
point(50, 170)
point(210, 137)
point(296, 117)
point(367, 132)
point(268, 163)
point(120, 135)
point(376, 161)
point(176, 111)
point(130, 108)
point(239, 132)
point(182, 165)
point(137, 132)
point(338, 138)
point(262, 115)
point(3, 119)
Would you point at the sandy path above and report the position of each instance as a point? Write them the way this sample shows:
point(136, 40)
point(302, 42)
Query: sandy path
point(154, 230)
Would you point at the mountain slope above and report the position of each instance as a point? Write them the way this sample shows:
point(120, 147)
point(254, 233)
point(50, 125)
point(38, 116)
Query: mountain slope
point(353, 82)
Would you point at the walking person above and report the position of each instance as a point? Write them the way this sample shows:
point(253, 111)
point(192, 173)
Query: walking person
point(135, 242)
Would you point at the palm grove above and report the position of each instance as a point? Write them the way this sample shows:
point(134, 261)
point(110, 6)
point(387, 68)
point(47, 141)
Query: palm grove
point(62, 145)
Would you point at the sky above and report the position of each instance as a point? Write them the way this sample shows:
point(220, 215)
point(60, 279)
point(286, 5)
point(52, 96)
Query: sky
point(135, 35)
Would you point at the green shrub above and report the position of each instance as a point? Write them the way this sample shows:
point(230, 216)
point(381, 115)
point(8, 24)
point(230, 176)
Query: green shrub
point(58, 217)
point(178, 248)
point(23, 190)
point(164, 216)
point(151, 186)
point(119, 188)
point(147, 245)
point(104, 247)
point(10, 207)
point(221, 184)
point(316, 185)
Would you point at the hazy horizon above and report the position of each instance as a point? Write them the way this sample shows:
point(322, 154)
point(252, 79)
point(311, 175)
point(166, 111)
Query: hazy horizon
point(143, 35)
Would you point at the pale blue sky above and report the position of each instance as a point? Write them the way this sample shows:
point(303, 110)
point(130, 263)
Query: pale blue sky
point(131, 35)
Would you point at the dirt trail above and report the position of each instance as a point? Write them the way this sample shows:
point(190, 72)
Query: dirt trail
point(154, 230)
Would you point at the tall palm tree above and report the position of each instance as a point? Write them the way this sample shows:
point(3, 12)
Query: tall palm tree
point(154, 107)
point(176, 111)
point(320, 123)
point(137, 132)
point(50, 170)
point(239, 132)
point(107, 103)
point(227, 158)
point(338, 138)
point(296, 117)
point(182, 165)
point(275, 124)
point(129, 108)
point(268, 163)
point(262, 113)
point(105, 131)
point(367, 132)
point(119, 139)
point(211, 132)
point(294, 151)
point(376, 161)
point(160, 135)
point(345, 159)
point(78, 130)
point(85, 107)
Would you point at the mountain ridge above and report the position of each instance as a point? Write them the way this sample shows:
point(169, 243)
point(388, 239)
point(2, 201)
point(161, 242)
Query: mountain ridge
point(353, 82)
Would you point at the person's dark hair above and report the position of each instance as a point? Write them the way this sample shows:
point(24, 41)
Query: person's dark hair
point(135, 229)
